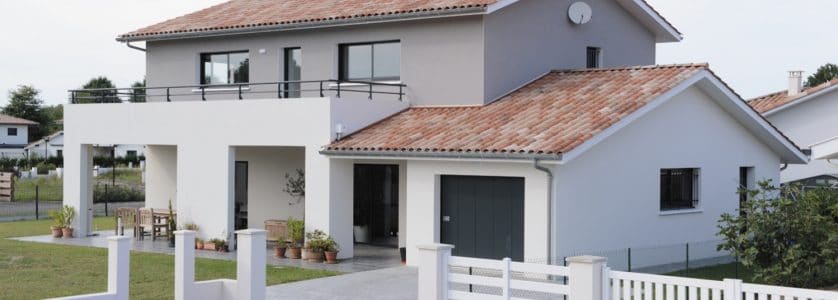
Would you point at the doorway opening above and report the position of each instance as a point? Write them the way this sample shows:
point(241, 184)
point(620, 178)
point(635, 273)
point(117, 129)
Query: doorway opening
point(376, 205)
point(240, 208)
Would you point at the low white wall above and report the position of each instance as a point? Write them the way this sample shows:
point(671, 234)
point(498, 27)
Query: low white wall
point(266, 169)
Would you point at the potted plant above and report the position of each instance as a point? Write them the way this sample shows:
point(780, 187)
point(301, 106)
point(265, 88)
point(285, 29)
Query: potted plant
point(281, 246)
point(58, 222)
point(331, 250)
point(296, 186)
point(297, 232)
point(199, 244)
point(220, 245)
point(69, 214)
point(316, 245)
point(210, 245)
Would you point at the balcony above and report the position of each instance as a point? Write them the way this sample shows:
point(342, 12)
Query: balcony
point(241, 91)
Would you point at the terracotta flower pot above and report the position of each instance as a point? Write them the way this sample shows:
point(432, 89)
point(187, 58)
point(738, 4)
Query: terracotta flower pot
point(67, 232)
point(315, 256)
point(56, 231)
point(209, 246)
point(295, 253)
point(199, 245)
point(280, 251)
point(331, 257)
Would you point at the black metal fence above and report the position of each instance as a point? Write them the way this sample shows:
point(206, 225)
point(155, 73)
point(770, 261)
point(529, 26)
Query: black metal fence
point(241, 91)
point(35, 201)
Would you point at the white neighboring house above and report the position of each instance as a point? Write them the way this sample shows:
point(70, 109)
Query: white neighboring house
point(436, 130)
point(14, 135)
point(52, 145)
point(120, 151)
point(808, 116)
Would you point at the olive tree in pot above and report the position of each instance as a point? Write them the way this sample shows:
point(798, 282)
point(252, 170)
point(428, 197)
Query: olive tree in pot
point(297, 232)
point(69, 214)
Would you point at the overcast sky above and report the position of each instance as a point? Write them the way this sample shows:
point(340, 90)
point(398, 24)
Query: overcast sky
point(58, 45)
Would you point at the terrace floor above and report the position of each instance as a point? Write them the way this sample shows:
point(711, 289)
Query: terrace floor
point(366, 258)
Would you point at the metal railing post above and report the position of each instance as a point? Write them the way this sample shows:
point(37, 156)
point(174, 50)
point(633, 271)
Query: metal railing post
point(370, 91)
point(321, 89)
point(401, 92)
point(106, 198)
point(338, 88)
point(279, 90)
point(688, 258)
point(73, 97)
point(240, 92)
point(629, 259)
point(203, 94)
point(168, 96)
point(37, 204)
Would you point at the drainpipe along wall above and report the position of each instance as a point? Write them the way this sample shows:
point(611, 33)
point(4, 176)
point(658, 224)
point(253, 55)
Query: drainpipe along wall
point(550, 218)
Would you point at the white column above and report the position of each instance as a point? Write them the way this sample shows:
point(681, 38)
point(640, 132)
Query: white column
point(78, 190)
point(119, 260)
point(586, 277)
point(329, 202)
point(205, 191)
point(184, 264)
point(433, 271)
point(250, 264)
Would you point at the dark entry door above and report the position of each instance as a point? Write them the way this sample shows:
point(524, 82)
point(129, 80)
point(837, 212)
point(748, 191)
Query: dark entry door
point(483, 216)
point(241, 195)
point(376, 215)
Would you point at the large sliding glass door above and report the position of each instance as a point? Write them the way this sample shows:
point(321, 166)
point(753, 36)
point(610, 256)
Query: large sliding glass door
point(293, 71)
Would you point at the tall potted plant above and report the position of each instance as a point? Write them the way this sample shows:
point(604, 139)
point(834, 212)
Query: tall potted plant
point(58, 222)
point(296, 229)
point(69, 214)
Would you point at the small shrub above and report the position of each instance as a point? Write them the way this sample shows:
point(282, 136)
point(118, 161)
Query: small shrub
point(44, 167)
point(117, 193)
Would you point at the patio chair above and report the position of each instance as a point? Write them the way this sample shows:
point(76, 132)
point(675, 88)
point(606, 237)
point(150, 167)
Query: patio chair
point(129, 219)
point(148, 222)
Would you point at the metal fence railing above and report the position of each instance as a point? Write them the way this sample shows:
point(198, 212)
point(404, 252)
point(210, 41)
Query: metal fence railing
point(34, 201)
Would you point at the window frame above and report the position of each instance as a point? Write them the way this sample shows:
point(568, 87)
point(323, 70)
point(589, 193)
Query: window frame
point(667, 202)
point(286, 54)
point(9, 131)
point(202, 67)
point(597, 61)
point(343, 63)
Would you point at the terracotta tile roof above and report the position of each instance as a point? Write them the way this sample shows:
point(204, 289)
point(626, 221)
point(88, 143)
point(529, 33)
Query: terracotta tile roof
point(552, 115)
point(774, 100)
point(9, 120)
point(258, 13)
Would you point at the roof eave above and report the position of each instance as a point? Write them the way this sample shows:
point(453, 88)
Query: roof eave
point(519, 156)
point(800, 100)
point(648, 16)
point(385, 18)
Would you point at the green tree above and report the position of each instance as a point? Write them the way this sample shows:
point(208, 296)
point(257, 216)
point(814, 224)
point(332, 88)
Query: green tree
point(824, 73)
point(25, 103)
point(54, 116)
point(138, 91)
point(787, 235)
point(104, 92)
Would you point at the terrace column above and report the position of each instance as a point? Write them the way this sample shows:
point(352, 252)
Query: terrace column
point(78, 187)
point(329, 198)
point(205, 193)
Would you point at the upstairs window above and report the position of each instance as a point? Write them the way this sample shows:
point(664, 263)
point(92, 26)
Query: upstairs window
point(370, 61)
point(11, 131)
point(678, 189)
point(594, 59)
point(225, 68)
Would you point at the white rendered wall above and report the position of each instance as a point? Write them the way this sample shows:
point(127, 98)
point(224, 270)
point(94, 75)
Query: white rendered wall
point(807, 123)
point(161, 177)
point(423, 202)
point(55, 144)
point(266, 169)
point(22, 137)
point(608, 198)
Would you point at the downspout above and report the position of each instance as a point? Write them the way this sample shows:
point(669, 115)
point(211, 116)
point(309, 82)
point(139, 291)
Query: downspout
point(549, 208)
point(134, 47)
point(785, 165)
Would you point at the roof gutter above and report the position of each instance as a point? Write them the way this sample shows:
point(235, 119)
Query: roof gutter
point(441, 154)
point(311, 25)
point(134, 47)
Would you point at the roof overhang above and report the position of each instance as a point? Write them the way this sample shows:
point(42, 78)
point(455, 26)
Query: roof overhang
point(801, 100)
point(646, 15)
point(728, 100)
point(446, 155)
point(826, 150)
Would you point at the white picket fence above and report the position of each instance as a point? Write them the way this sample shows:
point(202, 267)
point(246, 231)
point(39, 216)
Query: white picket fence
point(442, 277)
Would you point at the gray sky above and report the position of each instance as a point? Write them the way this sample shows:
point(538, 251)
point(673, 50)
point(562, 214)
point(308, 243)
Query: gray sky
point(58, 45)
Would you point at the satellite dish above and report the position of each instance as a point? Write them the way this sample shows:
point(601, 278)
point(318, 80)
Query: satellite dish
point(579, 13)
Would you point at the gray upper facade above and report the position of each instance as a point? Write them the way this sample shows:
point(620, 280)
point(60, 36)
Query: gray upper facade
point(472, 58)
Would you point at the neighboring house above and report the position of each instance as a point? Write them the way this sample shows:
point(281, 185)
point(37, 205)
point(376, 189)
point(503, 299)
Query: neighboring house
point(808, 116)
point(14, 135)
point(52, 144)
point(506, 128)
point(120, 150)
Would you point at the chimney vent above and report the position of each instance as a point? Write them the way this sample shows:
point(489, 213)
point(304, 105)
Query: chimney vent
point(795, 82)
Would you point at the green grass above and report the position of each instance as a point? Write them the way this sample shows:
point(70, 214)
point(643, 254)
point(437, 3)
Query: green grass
point(36, 270)
point(132, 177)
point(49, 189)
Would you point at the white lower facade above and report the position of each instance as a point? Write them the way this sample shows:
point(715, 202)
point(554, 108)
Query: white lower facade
point(607, 198)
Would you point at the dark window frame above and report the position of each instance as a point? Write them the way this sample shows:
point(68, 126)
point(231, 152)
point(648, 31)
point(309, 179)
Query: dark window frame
point(202, 75)
point(343, 62)
point(593, 57)
point(11, 131)
point(679, 188)
point(286, 54)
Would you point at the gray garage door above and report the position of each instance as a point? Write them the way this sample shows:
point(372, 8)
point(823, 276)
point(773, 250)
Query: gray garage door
point(483, 217)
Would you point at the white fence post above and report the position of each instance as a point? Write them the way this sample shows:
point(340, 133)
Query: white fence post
point(586, 278)
point(733, 288)
point(184, 264)
point(119, 260)
point(433, 271)
point(507, 277)
point(250, 265)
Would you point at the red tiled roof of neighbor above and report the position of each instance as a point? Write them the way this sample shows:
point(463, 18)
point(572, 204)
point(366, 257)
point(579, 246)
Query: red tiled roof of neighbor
point(258, 13)
point(551, 115)
point(774, 100)
point(9, 120)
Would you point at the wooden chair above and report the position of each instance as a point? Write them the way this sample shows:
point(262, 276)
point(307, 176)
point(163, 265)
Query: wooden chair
point(147, 221)
point(129, 218)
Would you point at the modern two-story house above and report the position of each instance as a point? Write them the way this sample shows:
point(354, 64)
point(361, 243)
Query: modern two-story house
point(528, 129)
point(807, 116)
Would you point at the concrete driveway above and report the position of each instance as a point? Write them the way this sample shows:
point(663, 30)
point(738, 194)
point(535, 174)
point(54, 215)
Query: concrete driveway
point(391, 283)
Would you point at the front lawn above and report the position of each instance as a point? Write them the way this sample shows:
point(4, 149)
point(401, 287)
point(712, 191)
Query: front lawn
point(36, 270)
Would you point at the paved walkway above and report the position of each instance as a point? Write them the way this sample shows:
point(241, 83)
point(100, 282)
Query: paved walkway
point(366, 257)
point(391, 283)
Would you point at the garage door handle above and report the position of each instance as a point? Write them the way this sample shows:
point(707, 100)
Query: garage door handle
point(446, 218)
